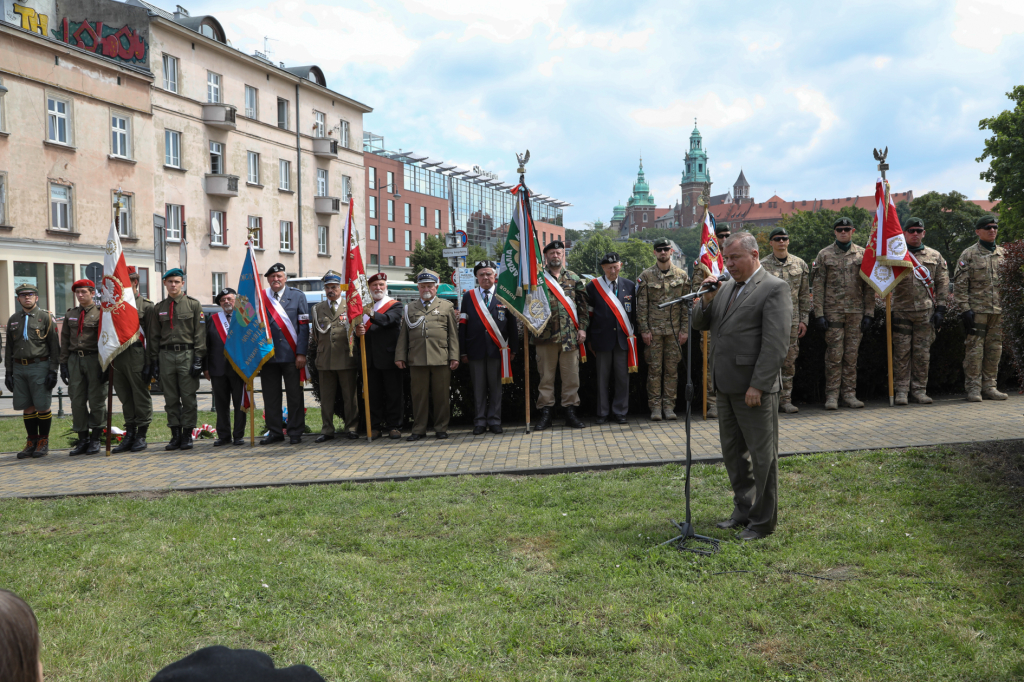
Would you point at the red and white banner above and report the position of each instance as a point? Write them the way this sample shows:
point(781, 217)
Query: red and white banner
point(613, 302)
point(353, 286)
point(555, 289)
point(277, 313)
point(382, 306)
point(492, 330)
point(886, 248)
point(119, 323)
point(710, 249)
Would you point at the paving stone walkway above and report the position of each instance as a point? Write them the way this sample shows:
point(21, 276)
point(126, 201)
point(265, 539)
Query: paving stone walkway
point(637, 443)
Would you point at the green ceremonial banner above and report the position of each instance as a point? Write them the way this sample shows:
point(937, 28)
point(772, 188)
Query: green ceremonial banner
point(521, 284)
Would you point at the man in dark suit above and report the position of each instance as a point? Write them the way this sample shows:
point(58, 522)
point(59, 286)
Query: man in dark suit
point(489, 340)
point(611, 337)
point(227, 385)
point(382, 322)
point(750, 320)
point(289, 327)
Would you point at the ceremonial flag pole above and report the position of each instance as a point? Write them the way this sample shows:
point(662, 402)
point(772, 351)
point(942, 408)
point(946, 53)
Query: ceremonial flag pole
point(366, 389)
point(888, 342)
point(252, 413)
point(710, 257)
point(353, 289)
point(704, 340)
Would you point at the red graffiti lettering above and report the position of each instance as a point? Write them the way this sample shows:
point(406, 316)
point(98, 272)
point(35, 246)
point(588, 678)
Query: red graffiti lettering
point(94, 35)
point(135, 49)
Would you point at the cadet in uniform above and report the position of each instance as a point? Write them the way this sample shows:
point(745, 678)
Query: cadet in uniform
point(976, 291)
point(663, 330)
point(176, 344)
point(794, 271)
point(844, 306)
point(291, 339)
point(700, 273)
point(918, 302)
point(428, 344)
point(227, 385)
point(336, 363)
point(560, 345)
point(132, 374)
point(80, 369)
point(30, 362)
point(608, 338)
point(382, 323)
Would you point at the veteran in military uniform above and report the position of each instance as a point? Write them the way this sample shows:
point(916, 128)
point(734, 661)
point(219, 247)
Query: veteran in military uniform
point(80, 369)
point(700, 273)
point(132, 376)
point(226, 384)
point(976, 290)
point(30, 363)
point(609, 337)
point(288, 313)
point(663, 330)
point(176, 344)
point(844, 307)
point(794, 272)
point(336, 363)
point(918, 308)
point(428, 344)
point(560, 345)
point(382, 323)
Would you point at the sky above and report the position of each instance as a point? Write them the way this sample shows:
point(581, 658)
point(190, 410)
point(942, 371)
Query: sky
point(797, 94)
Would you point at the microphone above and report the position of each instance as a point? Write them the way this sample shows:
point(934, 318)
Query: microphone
point(724, 277)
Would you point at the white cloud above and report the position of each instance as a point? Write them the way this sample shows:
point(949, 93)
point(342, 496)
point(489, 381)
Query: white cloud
point(764, 47)
point(492, 20)
point(814, 102)
point(468, 133)
point(574, 37)
point(709, 110)
point(982, 24)
point(881, 62)
point(548, 68)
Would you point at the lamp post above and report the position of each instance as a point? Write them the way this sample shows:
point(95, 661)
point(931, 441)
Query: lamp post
point(395, 195)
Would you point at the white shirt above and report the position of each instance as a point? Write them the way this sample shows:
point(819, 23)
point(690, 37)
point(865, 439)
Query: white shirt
point(489, 292)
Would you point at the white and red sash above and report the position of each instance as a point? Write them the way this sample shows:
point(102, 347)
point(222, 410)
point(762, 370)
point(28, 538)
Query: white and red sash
point(922, 273)
point(492, 330)
point(382, 306)
point(613, 302)
point(222, 325)
point(570, 307)
point(284, 323)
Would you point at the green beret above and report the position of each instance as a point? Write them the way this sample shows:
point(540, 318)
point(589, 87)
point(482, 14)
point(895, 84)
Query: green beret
point(986, 220)
point(913, 222)
point(174, 272)
point(26, 288)
point(776, 232)
point(842, 221)
point(722, 229)
point(663, 242)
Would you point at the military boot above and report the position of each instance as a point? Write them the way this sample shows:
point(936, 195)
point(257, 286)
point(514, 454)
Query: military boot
point(572, 419)
point(126, 442)
point(544, 421)
point(713, 411)
point(42, 447)
point(139, 444)
point(788, 407)
point(82, 446)
point(991, 393)
point(175, 442)
point(186, 438)
point(656, 413)
point(831, 401)
point(670, 412)
point(974, 396)
point(94, 442)
point(901, 398)
point(30, 446)
point(919, 396)
point(850, 400)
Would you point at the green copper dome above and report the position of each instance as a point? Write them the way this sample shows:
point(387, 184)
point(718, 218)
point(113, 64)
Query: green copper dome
point(641, 190)
point(618, 213)
point(696, 169)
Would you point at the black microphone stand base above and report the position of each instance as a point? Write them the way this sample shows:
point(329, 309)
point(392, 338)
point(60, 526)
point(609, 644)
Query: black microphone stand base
point(705, 546)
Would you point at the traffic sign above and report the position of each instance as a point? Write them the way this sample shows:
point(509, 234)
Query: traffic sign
point(456, 253)
point(463, 237)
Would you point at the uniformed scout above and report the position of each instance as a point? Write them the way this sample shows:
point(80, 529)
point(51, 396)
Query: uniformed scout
point(226, 384)
point(382, 323)
point(664, 330)
point(918, 308)
point(844, 306)
point(560, 345)
point(488, 341)
point(336, 362)
point(80, 369)
point(176, 344)
point(700, 273)
point(30, 362)
point(428, 344)
point(132, 375)
point(794, 271)
point(976, 291)
point(612, 319)
point(289, 327)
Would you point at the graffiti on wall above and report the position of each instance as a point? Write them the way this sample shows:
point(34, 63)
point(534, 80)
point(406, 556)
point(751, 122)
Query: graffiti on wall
point(35, 18)
point(116, 43)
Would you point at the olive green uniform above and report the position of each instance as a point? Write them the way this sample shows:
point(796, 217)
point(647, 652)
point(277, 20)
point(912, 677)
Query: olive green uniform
point(557, 346)
point(79, 349)
point(427, 349)
point(132, 391)
point(912, 331)
point(794, 272)
point(176, 337)
point(977, 287)
point(701, 273)
point(334, 365)
point(30, 357)
point(655, 286)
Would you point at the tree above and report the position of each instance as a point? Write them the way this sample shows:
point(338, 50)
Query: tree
point(430, 255)
point(1005, 152)
point(903, 212)
point(948, 222)
point(636, 255)
point(810, 232)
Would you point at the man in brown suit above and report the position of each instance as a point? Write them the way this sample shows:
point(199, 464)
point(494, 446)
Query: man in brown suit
point(335, 363)
point(750, 323)
point(428, 344)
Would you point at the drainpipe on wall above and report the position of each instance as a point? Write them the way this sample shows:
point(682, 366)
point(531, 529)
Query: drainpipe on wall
point(298, 166)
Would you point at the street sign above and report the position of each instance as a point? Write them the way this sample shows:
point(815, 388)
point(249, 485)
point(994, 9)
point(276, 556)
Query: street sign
point(463, 280)
point(456, 253)
point(462, 237)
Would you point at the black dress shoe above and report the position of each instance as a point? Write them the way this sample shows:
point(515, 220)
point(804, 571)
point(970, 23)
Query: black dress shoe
point(416, 436)
point(495, 429)
point(747, 535)
point(323, 438)
point(221, 441)
point(601, 420)
point(443, 434)
point(395, 434)
point(352, 435)
point(239, 441)
point(271, 439)
point(619, 418)
point(477, 430)
point(731, 523)
point(294, 440)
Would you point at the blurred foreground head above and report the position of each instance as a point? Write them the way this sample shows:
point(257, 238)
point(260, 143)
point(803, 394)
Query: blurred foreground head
point(19, 641)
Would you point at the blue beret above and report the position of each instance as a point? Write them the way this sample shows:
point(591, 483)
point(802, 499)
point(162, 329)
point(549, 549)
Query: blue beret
point(174, 272)
point(332, 277)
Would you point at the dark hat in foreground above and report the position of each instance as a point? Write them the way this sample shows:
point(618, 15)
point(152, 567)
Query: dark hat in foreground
point(83, 283)
point(842, 221)
point(722, 229)
point(331, 277)
point(913, 222)
point(276, 267)
point(378, 277)
point(609, 258)
point(220, 664)
point(777, 231)
point(663, 242)
point(481, 265)
point(222, 293)
point(555, 244)
point(428, 276)
point(174, 272)
point(26, 289)
point(985, 220)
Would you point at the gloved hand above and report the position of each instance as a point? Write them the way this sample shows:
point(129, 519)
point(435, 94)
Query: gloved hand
point(147, 373)
point(822, 323)
point(196, 369)
point(9, 382)
point(865, 324)
point(968, 317)
point(154, 370)
point(65, 374)
point(938, 316)
point(51, 380)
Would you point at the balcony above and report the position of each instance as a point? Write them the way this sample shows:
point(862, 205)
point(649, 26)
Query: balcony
point(222, 185)
point(325, 147)
point(219, 115)
point(327, 205)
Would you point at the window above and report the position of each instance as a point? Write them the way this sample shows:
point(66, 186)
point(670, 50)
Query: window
point(256, 230)
point(543, 238)
point(645, 216)
point(175, 220)
point(172, 148)
point(408, 240)
point(319, 124)
point(282, 113)
point(371, 177)
point(253, 175)
point(391, 235)
point(346, 187)
point(286, 235)
point(321, 182)
point(3, 198)
point(216, 158)
point(57, 115)
point(391, 182)
point(120, 135)
point(343, 134)
point(218, 231)
point(212, 87)
point(423, 216)
point(406, 261)
point(373, 260)
point(373, 233)
point(391, 260)
point(63, 278)
point(372, 212)
point(219, 281)
point(423, 238)
point(408, 214)
point(251, 102)
point(35, 274)
point(321, 240)
point(60, 207)
point(124, 218)
point(285, 168)
point(170, 73)
point(391, 210)
point(143, 281)
point(437, 218)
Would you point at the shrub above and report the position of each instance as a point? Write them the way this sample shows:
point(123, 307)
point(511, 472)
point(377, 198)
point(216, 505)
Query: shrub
point(1013, 306)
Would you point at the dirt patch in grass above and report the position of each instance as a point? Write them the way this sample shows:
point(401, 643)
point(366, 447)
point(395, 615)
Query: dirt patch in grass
point(534, 553)
point(1005, 458)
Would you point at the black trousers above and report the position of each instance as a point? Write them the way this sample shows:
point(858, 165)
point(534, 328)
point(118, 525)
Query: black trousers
point(387, 397)
point(228, 391)
point(270, 381)
point(612, 368)
point(486, 377)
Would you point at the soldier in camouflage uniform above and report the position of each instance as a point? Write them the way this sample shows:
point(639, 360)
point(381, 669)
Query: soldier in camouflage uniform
point(663, 330)
point(918, 303)
point(558, 347)
point(976, 291)
point(132, 375)
point(701, 273)
point(794, 271)
point(844, 307)
point(80, 369)
point(30, 361)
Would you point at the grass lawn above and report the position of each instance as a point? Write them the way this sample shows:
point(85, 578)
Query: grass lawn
point(544, 578)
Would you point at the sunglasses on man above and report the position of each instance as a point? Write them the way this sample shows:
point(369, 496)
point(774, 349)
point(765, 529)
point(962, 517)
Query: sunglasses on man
point(989, 227)
point(844, 229)
point(663, 249)
point(780, 239)
point(915, 230)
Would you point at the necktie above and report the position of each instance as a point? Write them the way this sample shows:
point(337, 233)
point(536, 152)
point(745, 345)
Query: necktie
point(487, 297)
point(81, 321)
point(735, 294)
point(24, 332)
point(334, 307)
point(615, 287)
